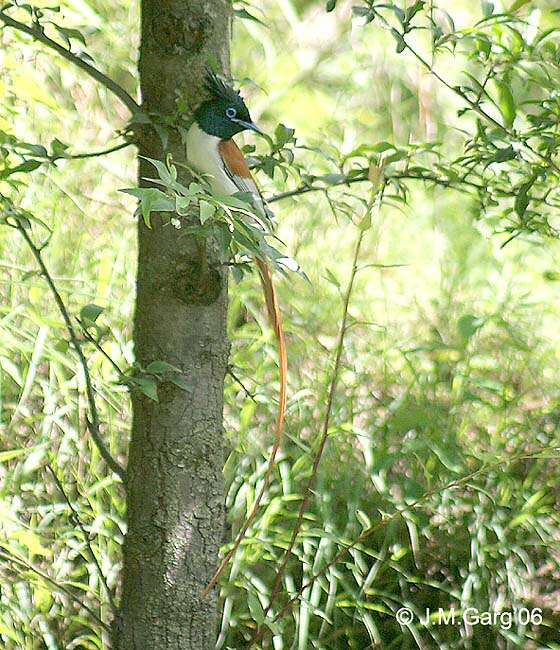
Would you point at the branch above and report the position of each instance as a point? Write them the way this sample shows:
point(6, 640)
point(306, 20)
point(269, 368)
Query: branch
point(427, 178)
point(235, 378)
point(100, 348)
point(92, 154)
point(304, 189)
point(39, 35)
point(93, 425)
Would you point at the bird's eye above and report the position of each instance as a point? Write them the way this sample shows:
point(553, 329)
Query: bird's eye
point(231, 112)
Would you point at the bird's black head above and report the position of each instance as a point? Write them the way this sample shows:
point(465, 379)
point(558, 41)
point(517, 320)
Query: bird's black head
point(225, 113)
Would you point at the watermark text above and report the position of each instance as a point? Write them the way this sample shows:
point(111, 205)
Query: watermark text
point(471, 616)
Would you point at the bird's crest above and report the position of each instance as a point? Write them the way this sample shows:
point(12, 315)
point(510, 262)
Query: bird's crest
point(219, 87)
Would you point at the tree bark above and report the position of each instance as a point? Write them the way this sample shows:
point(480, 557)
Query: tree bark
point(174, 478)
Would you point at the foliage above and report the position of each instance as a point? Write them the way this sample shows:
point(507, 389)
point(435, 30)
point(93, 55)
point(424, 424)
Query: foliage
point(437, 483)
point(230, 221)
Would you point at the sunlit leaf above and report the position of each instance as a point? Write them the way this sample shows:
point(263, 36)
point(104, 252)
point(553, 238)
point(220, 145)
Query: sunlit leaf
point(506, 102)
point(90, 313)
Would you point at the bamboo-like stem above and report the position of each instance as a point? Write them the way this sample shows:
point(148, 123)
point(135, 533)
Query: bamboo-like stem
point(78, 522)
point(22, 563)
point(387, 519)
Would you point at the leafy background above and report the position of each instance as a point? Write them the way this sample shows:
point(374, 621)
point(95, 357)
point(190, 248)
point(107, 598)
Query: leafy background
point(447, 394)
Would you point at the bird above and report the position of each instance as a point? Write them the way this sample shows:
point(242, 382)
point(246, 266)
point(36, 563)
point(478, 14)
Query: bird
point(210, 145)
point(212, 152)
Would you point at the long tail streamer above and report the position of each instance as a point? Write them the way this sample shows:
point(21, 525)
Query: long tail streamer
point(275, 318)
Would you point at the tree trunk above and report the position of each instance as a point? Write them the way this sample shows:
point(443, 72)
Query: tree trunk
point(174, 476)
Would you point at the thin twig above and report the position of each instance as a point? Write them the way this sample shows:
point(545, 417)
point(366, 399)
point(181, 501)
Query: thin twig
point(67, 54)
point(474, 105)
point(94, 424)
point(76, 156)
point(304, 189)
point(77, 521)
point(238, 381)
point(427, 178)
point(326, 424)
point(98, 347)
point(478, 109)
point(92, 154)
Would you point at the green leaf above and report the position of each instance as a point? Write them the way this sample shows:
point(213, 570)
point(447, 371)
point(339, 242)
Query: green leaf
point(36, 149)
point(506, 102)
point(90, 313)
point(207, 211)
point(412, 11)
point(401, 44)
point(364, 520)
point(146, 386)
point(523, 199)
point(237, 274)
point(161, 367)
point(163, 134)
point(468, 325)
point(283, 134)
point(518, 4)
point(268, 166)
point(365, 221)
point(245, 15)
point(223, 236)
point(332, 278)
point(365, 12)
point(502, 155)
point(450, 457)
point(58, 148)
point(62, 346)
point(67, 33)
point(182, 204)
point(10, 454)
point(358, 604)
point(27, 166)
point(162, 170)
point(255, 608)
point(399, 13)
point(31, 541)
point(332, 179)
point(380, 147)
point(151, 200)
point(487, 8)
point(400, 154)
point(34, 460)
point(551, 276)
point(182, 383)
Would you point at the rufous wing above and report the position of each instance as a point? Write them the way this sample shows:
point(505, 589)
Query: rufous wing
point(237, 169)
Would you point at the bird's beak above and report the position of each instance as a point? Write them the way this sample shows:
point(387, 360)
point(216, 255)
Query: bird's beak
point(248, 125)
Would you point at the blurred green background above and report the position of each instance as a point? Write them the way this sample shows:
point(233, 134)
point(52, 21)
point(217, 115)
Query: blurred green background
point(448, 388)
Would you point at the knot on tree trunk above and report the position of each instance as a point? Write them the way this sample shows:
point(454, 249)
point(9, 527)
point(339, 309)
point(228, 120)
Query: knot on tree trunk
point(196, 282)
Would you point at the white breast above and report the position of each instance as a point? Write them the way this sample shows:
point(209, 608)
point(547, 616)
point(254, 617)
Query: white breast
point(203, 155)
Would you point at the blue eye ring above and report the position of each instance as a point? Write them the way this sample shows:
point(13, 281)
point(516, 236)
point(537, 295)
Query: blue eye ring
point(231, 112)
